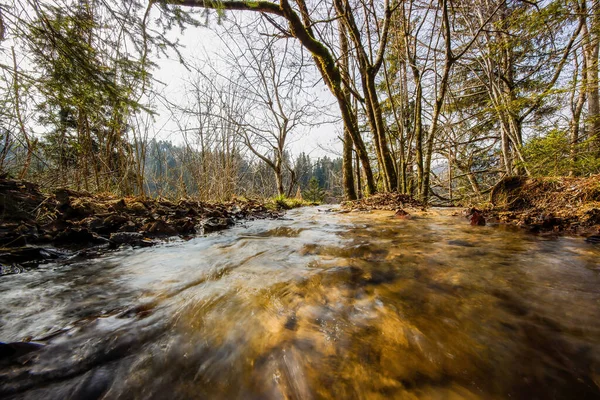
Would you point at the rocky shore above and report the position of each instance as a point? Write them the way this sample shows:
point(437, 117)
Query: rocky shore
point(37, 226)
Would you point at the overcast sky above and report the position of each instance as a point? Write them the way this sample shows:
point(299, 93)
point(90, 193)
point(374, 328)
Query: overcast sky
point(204, 44)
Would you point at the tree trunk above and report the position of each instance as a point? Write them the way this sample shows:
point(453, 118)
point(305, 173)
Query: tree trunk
point(358, 179)
point(576, 109)
point(347, 160)
point(387, 161)
point(279, 180)
point(591, 45)
point(348, 173)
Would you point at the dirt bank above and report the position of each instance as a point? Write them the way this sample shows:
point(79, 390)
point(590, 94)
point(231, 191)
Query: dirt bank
point(562, 205)
point(37, 226)
point(540, 205)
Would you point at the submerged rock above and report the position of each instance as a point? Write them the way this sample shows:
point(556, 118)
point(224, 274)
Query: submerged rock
point(18, 255)
point(594, 239)
point(15, 352)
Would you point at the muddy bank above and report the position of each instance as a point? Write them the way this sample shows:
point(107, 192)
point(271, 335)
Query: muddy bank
point(37, 226)
point(561, 205)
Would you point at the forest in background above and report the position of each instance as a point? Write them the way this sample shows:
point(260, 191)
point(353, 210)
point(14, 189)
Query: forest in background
point(439, 99)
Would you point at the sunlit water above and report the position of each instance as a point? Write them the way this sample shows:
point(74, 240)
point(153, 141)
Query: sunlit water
point(321, 305)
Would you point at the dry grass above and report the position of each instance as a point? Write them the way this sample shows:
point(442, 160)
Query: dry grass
point(576, 200)
point(383, 201)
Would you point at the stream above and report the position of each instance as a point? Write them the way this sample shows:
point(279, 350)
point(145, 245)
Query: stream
point(320, 305)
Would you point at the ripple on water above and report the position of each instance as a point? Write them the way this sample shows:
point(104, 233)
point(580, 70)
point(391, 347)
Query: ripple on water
point(319, 306)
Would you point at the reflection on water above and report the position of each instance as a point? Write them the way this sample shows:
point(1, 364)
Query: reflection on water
point(321, 305)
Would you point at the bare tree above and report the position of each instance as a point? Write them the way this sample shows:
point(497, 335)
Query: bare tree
point(270, 77)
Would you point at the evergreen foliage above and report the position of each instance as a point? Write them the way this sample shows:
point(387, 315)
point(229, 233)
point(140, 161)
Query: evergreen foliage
point(313, 192)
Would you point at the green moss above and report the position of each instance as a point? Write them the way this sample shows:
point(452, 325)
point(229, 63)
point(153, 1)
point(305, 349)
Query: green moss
point(287, 203)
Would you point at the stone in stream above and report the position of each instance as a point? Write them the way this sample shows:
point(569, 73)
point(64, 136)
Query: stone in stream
point(594, 239)
point(18, 255)
point(10, 269)
point(13, 352)
point(477, 218)
point(401, 214)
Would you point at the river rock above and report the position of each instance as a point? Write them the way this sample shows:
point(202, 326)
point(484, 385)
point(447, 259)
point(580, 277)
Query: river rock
point(137, 207)
point(215, 224)
point(184, 226)
point(10, 352)
point(130, 226)
point(15, 235)
point(114, 221)
point(594, 239)
point(477, 218)
point(69, 218)
point(77, 236)
point(401, 214)
point(125, 237)
point(117, 205)
point(10, 269)
point(216, 213)
point(159, 227)
point(9, 256)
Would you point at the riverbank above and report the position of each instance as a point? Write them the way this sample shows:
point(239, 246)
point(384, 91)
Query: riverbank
point(560, 205)
point(37, 226)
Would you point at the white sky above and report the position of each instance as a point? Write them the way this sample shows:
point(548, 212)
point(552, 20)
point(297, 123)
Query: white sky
point(204, 43)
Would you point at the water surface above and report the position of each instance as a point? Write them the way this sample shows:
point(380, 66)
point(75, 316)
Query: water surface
point(318, 306)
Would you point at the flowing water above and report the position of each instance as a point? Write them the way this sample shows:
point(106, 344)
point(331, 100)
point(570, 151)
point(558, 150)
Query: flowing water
point(320, 305)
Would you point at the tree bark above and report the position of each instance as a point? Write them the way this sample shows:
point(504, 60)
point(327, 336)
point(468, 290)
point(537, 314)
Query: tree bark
point(347, 158)
point(368, 70)
point(591, 45)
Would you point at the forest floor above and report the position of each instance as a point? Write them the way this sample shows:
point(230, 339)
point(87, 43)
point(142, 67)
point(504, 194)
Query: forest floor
point(540, 205)
point(561, 205)
point(383, 201)
point(36, 227)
